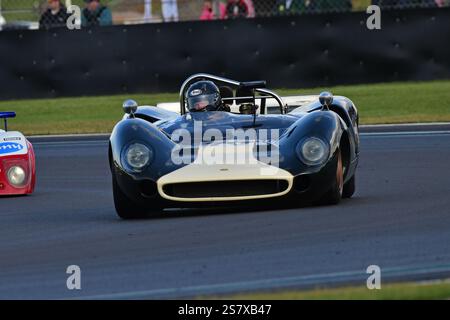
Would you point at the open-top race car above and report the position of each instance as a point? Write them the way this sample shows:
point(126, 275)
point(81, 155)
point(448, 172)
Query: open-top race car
point(233, 143)
point(17, 161)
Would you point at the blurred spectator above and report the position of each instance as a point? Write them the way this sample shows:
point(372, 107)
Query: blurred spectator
point(55, 16)
point(440, 3)
point(331, 5)
point(388, 4)
point(169, 10)
point(286, 7)
point(251, 8)
point(95, 14)
point(208, 11)
point(148, 10)
point(394, 4)
point(236, 9)
point(2, 21)
point(290, 6)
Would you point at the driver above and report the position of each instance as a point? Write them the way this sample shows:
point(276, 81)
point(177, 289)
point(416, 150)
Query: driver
point(204, 96)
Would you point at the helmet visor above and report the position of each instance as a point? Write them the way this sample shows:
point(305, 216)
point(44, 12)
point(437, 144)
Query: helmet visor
point(202, 102)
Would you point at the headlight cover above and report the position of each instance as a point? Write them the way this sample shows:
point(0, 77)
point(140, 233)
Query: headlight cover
point(16, 176)
point(136, 157)
point(313, 151)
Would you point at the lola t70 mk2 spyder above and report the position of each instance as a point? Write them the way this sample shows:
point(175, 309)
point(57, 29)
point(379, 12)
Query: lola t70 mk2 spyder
point(17, 161)
point(232, 143)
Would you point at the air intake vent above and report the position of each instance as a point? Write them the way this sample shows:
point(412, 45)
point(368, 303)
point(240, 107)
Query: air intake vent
point(237, 188)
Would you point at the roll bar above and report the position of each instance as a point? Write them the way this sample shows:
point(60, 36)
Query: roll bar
point(257, 86)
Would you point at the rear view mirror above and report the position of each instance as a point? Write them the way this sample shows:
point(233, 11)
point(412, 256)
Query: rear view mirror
point(130, 107)
point(326, 99)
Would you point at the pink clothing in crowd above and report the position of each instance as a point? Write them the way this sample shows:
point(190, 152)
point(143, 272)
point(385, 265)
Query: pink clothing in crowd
point(251, 8)
point(208, 13)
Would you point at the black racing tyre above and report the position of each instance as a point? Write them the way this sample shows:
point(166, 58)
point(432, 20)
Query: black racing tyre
point(334, 195)
point(127, 209)
point(349, 188)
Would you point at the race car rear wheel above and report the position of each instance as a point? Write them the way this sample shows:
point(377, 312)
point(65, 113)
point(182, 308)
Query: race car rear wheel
point(349, 188)
point(334, 195)
point(127, 209)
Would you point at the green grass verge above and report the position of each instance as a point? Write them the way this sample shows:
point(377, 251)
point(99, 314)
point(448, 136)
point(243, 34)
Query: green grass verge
point(403, 291)
point(377, 103)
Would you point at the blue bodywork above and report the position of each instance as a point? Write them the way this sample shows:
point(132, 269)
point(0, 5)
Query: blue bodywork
point(277, 140)
point(334, 122)
point(154, 128)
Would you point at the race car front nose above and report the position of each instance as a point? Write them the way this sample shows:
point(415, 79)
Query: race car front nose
point(197, 183)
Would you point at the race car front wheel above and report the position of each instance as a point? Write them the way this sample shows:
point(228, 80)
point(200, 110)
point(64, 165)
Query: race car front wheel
point(334, 195)
point(125, 208)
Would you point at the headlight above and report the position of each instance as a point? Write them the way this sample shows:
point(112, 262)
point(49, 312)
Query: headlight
point(137, 156)
point(313, 151)
point(16, 176)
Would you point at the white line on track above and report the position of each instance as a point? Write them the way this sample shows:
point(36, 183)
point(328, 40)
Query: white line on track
point(71, 143)
point(393, 125)
point(405, 133)
point(81, 143)
point(69, 136)
point(105, 136)
point(274, 283)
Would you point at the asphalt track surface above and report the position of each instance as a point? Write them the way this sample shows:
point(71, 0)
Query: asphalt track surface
point(399, 219)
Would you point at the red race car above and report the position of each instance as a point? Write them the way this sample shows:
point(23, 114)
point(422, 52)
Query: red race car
point(17, 161)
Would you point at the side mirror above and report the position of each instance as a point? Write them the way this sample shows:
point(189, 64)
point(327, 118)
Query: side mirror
point(130, 107)
point(326, 99)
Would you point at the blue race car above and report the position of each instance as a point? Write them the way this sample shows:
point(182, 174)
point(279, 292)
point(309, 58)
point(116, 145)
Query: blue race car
point(228, 143)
